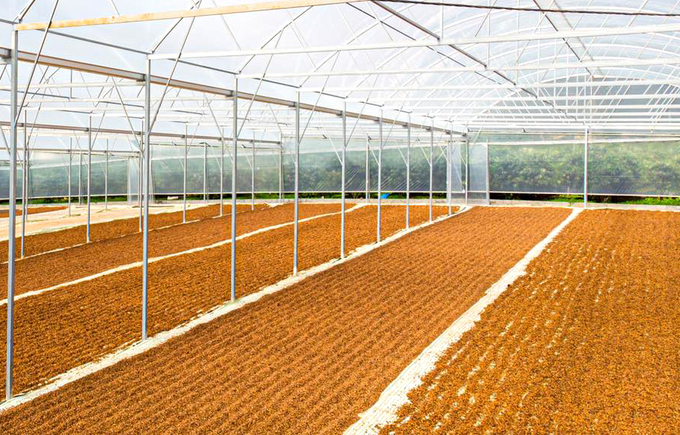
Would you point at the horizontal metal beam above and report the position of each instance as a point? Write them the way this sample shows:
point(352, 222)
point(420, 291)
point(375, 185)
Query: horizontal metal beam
point(200, 111)
point(613, 118)
point(191, 86)
point(537, 108)
point(609, 63)
point(543, 97)
point(78, 129)
point(556, 127)
point(559, 85)
point(74, 85)
point(459, 115)
point(95, 152)
point(178, 14)
point(113, 72)
point(563, 34)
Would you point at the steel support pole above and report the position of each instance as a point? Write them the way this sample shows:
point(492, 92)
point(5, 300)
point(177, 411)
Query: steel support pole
point(184, 181)
point(147, 179)
point(70, 162)
point(585, 168)
point(28, 179)
point(431, 167)
point(297, 185)
point(342, 177)
point(467, 167)
point(234, 168)
point(280, 168)
point(9, 361)
point(24, 188)
point(368, 174)
point(380, 150)
point(488, 177)
point(140, 180)
point(449, 176)
point(222, 173)
point(80, 176)
point(89, 174)
point(106, 177)
point(128, 163)
point(205, 172)
point(408, 173)
point(252, 178)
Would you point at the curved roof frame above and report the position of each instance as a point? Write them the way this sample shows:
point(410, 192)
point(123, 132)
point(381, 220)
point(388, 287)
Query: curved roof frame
point(523, 96)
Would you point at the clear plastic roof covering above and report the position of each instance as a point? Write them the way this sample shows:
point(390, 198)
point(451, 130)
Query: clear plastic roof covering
point(485, 65)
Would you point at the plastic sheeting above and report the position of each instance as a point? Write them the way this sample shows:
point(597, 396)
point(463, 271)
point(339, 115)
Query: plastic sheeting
point(637, 169)
point(48, 176)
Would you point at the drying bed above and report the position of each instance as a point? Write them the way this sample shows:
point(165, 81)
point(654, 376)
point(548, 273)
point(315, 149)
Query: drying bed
point(32, 210)
point(88, 259)
point(307, 359)
point(48, 241)
point(70, 326)
point(586, 342)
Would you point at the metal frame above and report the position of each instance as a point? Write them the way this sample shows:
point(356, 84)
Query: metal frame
point(89, 176)
point(585, 84)
point(380, 151)
point(9, 366)
point(585, 62)
point(184, 177)
point(408, 175)
point(296, 225)
point(234, 167)
point(343, 184)
point(24, 188)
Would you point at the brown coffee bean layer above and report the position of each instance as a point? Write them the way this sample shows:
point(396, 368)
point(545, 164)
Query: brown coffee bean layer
point(586, 342)
point(49, 241)
point(88, 259)
point(68, 327)
point(307, 359)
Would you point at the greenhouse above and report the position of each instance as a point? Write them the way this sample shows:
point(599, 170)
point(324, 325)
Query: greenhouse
point(323, 216)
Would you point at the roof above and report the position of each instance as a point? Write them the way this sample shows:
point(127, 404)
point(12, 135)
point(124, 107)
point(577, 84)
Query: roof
point(504, 65)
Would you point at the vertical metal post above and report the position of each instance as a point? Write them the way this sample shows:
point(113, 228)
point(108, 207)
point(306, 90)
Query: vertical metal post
point(24, 188)
point(380, 149)
point(80, 176)
point(205, 172)
point(488, 176)
point(585, 168)
point(106, 177)
point(89, 174)
point(9, 361)
point(140, 180)
point(449, 176)
point(344, 160)
point(70, 160)
point(431, 166)
point(184, 182)
point(234, 168)
point(128, 163)
point(221, 173)
point(368, 173)
point(147, 180)
point(297, 185)
point(408, 173)
point(28, 179)
point(467, 167)
point(280, 168)
point(252, 179)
